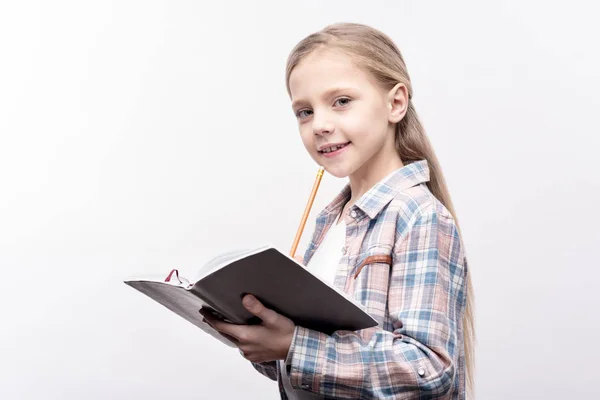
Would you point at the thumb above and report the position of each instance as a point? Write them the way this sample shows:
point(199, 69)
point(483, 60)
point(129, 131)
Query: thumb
point(252, 304)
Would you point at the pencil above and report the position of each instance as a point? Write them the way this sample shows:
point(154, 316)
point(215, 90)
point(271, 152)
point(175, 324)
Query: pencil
point(311, 199)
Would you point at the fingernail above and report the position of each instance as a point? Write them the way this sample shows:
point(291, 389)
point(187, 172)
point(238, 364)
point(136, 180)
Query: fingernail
point(249, 301)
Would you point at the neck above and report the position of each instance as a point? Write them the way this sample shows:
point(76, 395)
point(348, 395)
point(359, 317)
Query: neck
point(384, 163)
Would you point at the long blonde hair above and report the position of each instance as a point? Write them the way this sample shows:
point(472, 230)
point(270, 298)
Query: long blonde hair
point(376, 53)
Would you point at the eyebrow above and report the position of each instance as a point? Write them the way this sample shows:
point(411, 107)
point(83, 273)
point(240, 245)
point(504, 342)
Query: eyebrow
point(328, 93)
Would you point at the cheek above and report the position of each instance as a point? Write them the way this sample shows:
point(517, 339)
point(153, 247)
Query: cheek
point(307, 138)
point(357, 130)
point(364, 127)
point(358, 124)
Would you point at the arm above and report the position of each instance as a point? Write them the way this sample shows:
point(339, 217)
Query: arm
point(425, 302)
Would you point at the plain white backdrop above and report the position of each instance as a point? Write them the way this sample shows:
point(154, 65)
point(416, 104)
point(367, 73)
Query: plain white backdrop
point(139, 136)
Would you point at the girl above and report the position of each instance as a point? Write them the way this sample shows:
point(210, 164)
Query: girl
point(390, 239)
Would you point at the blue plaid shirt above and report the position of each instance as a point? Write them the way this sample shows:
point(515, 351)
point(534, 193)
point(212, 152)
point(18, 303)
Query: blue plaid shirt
point(403, 261)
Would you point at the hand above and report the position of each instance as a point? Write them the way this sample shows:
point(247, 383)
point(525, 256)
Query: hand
point(270, 340)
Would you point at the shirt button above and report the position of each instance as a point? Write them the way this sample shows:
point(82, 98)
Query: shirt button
point(421, 371)
point(353, 214)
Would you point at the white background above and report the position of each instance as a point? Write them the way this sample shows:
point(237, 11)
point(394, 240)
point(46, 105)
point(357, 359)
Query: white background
point(138, 136)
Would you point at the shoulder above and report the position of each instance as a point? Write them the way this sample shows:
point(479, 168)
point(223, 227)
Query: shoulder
point(417, 206)
point(424, 227)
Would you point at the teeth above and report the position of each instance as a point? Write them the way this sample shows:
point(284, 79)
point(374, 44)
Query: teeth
point(332, 148)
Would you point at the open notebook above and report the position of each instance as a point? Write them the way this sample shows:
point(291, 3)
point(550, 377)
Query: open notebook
point(277, 280)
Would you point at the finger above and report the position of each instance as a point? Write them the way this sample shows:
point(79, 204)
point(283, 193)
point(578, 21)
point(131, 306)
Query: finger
point(246, 351)
point(226, 336)
point(230, 338)
point(253, 356)
point(223, 327)
point(268, 316)
point(300, 259)
point(207, 322)
point(211, 312)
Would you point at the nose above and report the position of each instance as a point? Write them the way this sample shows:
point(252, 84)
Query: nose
point(322, 124)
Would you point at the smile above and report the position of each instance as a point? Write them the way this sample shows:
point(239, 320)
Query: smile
point(331, 150)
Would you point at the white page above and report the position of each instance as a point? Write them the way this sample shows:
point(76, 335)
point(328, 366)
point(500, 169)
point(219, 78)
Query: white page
point(180, 301)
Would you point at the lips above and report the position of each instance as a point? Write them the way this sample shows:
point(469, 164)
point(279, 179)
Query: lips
point(333, 148)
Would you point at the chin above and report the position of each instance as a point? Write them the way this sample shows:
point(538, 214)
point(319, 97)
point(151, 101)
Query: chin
point(338, 172)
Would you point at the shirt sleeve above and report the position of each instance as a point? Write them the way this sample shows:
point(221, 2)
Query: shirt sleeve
point(268, 369)
point(420, 356)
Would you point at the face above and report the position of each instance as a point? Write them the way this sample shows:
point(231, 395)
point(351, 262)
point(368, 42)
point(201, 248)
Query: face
point(346, 120)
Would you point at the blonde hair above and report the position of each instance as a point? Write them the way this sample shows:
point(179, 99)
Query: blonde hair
point(376, 53)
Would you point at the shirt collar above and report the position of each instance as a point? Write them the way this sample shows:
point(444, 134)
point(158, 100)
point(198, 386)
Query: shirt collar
point(376, 198)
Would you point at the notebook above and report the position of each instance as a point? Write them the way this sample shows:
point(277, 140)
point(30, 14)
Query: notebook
point(277, 280)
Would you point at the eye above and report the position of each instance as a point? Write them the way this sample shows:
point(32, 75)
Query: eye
point(302, 113)
point(343, 101)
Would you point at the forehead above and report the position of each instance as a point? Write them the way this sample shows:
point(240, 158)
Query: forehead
point(323, 70)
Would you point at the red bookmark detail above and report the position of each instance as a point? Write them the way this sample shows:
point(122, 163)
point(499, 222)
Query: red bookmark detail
point(168, 279)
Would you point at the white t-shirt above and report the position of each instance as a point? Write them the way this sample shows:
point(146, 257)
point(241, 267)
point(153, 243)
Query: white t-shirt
point(323, 264)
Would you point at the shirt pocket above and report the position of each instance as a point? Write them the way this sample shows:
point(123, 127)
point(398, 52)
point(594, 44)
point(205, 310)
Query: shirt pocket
point(373, 255)
point(370, 279)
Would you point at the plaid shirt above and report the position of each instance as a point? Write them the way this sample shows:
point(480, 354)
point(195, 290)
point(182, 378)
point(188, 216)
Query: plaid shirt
point(403, 261)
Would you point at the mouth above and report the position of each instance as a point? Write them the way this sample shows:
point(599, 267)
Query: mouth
point(333, 150)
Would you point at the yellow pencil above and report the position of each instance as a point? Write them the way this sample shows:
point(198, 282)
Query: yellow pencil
point(311, 199)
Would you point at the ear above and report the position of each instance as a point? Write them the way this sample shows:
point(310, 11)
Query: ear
point(397, 102)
